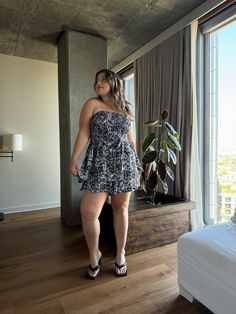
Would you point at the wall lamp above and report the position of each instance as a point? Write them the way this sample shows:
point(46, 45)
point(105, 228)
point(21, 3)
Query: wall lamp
point(10, 144)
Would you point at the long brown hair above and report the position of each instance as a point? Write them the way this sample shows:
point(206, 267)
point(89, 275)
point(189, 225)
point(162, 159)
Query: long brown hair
point(116, 91)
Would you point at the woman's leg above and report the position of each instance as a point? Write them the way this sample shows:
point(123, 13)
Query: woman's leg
point(120, 204)
point(90, 208)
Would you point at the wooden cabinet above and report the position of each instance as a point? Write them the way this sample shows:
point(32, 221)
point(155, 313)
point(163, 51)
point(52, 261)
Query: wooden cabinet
point(150, 225)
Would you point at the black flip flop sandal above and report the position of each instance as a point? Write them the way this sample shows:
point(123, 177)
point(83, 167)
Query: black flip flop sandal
point(119, 267)
point(93, 269)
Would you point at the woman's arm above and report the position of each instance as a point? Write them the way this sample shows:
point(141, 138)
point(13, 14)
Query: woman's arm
point(83, 135)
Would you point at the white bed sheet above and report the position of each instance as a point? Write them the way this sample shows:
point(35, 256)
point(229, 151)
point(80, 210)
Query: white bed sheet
point(207, 266)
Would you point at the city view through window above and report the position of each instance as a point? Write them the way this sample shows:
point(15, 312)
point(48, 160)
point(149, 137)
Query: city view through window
point(225, 124)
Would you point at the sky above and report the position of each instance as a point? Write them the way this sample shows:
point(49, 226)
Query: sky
point(227, 88)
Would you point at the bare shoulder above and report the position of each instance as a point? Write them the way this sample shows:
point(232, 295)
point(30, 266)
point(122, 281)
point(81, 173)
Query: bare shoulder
point(91, 105)
point(88, 107)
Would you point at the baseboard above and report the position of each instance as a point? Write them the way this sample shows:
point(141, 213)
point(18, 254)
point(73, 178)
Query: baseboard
point(26, 208)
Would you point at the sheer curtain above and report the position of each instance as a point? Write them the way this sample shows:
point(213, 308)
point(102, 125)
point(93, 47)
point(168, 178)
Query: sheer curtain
point(196, 186)
point(163, 81)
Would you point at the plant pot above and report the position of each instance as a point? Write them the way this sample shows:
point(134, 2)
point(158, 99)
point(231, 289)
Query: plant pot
point(157, 198)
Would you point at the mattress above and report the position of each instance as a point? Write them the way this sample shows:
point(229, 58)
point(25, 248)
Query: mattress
point(207, 267)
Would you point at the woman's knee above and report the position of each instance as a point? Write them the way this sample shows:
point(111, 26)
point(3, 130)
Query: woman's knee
point(120, 209)
point(120, 203)
point(88, 211)
point(88, 214)
point(91, 205)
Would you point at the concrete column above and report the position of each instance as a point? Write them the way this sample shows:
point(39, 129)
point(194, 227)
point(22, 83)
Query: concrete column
point(80, 56)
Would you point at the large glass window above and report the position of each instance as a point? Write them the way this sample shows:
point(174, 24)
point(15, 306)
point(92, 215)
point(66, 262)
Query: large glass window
point(129, 90)
point(219, 162)
point(128, 80)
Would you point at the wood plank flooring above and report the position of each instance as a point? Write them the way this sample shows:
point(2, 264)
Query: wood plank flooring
point(43, 263)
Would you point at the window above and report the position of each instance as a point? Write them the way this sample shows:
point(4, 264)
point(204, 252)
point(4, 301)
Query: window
point(129, 90)
point(219, 112)
point(128, 81)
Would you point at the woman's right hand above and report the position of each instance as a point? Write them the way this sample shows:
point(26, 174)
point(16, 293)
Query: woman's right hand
point(74, 168)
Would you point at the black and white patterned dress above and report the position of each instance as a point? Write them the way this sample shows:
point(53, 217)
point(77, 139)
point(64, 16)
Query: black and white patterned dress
point(110, 164)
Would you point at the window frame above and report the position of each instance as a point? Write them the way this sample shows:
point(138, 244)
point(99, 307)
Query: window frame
point(203, 68)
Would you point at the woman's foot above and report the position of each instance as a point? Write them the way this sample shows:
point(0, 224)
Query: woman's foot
point(121, 270)
point(94, 267)
point(121, 266)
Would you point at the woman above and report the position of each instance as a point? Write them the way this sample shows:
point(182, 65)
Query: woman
point(110, 166)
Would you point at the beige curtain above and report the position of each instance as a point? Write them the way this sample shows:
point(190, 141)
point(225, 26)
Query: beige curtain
point(163, 81)
point(196, 182)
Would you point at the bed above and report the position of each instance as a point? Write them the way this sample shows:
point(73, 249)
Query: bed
point(207, 267)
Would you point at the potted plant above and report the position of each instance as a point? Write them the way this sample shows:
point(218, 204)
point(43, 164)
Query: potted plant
point(159, 151)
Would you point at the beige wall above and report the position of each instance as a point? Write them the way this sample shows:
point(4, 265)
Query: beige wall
point(29, 106)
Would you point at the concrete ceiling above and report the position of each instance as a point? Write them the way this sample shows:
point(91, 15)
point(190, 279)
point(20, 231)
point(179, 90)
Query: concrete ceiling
point(30, 28)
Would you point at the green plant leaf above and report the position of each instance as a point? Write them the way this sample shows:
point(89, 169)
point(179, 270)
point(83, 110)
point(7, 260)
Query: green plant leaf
point(153, 123)
point(161, 167)
point(170, 173)
point(148, 169)
point(173, 141)
point(152, 181)
point(170, 128)
point(149, 157)
point(150, 148)
point(164, 115)
point(166, 154)
point(164, 186)
point(171, 156)
point(176, 135)
point(148, 141)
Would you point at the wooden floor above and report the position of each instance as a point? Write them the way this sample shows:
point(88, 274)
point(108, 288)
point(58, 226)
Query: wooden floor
point(43, 265)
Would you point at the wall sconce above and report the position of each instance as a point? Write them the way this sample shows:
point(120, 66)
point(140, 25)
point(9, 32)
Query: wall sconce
point(11, 143)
